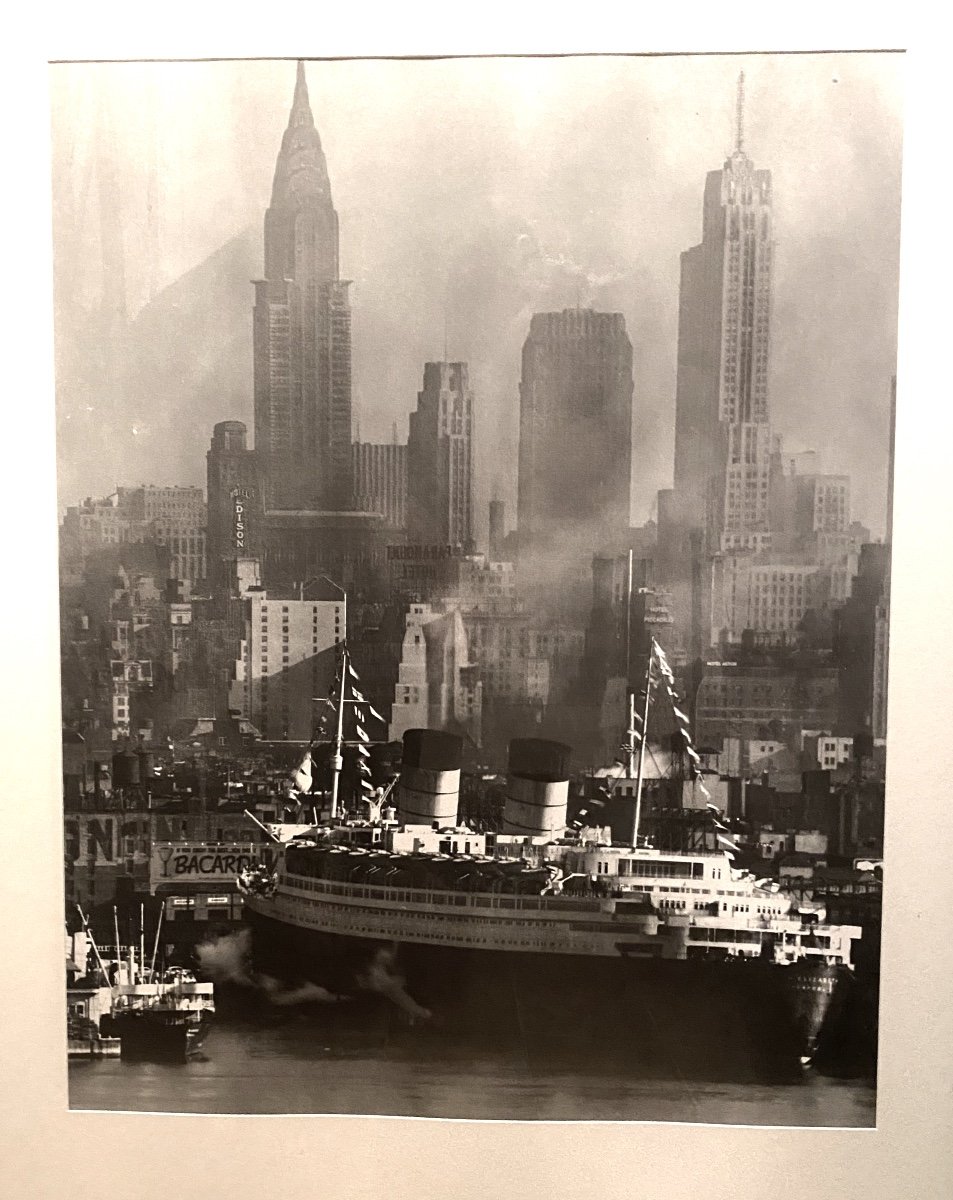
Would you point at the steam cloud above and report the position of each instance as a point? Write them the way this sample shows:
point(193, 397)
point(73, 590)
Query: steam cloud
point(382, 977)
point(228, 960)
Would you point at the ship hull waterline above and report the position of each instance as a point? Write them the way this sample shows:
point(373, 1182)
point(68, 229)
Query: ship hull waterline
point(698, 1018)
point(159, 1036)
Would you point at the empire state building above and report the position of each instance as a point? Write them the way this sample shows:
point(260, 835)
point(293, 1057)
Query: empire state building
point(722, 435)
point(302, 331)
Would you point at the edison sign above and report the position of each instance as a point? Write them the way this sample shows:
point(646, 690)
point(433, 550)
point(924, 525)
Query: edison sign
point(240, 498)
point(202, 862)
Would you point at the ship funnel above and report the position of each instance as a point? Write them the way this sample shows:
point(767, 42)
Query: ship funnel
point(428, 789)
point(537, 788)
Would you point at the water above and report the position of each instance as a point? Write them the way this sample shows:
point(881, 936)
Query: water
point(296, 1063)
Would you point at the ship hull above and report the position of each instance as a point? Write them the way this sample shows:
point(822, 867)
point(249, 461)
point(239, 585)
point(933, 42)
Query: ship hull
point(158, 1035)
point(699, 1018)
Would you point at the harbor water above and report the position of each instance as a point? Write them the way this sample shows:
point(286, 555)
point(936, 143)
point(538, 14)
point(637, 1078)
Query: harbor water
point(298, 1062)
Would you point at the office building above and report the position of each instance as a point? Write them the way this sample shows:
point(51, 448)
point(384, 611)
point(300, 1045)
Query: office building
point(575, 452)
point(288, 656)
point(440, 459)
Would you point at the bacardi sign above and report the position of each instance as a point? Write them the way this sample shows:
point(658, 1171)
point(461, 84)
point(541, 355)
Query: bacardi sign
point(176, 863)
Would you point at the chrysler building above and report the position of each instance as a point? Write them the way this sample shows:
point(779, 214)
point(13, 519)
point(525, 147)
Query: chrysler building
point(302, 331)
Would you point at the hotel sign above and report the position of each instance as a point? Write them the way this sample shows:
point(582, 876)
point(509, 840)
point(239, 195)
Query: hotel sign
point(177, 863)
point(240, 499)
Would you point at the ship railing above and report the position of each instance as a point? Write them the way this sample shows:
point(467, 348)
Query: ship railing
point(449, 899)
point(163, 988)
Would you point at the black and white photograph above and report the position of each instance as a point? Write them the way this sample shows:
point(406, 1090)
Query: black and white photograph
point(475, 508)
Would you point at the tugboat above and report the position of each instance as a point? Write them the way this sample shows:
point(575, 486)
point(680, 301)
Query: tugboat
point(550, 933)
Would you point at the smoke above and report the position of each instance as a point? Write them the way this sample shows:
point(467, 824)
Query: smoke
point(381, 976)
point(228, 960)
point(306, 993)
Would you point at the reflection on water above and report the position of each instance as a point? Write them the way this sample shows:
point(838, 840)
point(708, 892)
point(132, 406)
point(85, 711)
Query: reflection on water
point(301, 1064)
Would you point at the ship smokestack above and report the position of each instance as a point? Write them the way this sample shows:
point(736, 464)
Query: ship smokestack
point(428, 790)
point(537, 788)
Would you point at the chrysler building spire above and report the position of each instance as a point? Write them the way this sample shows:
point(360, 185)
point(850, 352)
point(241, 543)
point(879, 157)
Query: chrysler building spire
point(301, 106)
point(301, 172)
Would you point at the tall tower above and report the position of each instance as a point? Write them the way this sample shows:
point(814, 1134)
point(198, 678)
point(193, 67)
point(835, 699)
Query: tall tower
point(440, 459)
point(302, 331)
point(575, 452)
point(234, 500)
point(722, 435)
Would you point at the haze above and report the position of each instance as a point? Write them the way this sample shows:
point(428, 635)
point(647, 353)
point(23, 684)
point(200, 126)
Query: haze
point(471, 193)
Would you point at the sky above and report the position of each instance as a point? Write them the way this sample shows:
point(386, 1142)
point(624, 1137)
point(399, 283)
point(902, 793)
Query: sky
point(472, 193)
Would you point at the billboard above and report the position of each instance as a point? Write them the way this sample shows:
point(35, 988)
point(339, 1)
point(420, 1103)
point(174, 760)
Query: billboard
point(196, 863)
point(93, 839)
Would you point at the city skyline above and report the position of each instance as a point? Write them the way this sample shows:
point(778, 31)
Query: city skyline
point(553, 260)
point(320, 645)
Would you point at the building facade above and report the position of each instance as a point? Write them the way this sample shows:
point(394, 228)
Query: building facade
point(380, 480)
point(288, 657)
point(178, 503)
point(172, 517)
point(302, 331)
point(445, 575)
point(186, 542)
point(440, 458)
point(348, 547)
point(437, 685)
point(575, 451)
point(861, 645)
point(764, 594)
point(760, 703)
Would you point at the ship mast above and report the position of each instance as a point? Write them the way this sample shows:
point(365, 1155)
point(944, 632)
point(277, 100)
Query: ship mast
point(635, 755)
point(631, 731)
point(645, 729)
point(337, 754)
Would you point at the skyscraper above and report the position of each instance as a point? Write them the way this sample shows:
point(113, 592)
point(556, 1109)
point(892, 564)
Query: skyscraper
point(234, 500)
point(575, 451)
point(302, 331)
point(722, 435)
point(440, 458)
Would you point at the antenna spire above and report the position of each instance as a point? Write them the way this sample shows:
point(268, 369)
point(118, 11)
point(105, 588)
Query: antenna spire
point(300, 104)
point(740, 115)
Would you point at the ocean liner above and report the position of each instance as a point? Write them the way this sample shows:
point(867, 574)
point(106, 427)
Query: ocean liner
point(544, 933)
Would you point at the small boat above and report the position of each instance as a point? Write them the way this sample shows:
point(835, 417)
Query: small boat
point(147, 1014)
point(165, 1019)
